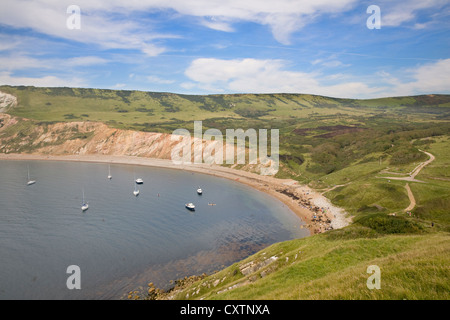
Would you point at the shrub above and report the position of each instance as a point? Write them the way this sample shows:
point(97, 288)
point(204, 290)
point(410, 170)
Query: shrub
point(351, 232)
point(70, 116)
point(385, 224)
point(407, 155)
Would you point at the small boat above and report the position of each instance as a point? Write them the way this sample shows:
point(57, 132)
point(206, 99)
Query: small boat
point(199, 191)
point(84, 205)
point(190, 206)
point(109, 173)
point(139, 181)
point(30, 182)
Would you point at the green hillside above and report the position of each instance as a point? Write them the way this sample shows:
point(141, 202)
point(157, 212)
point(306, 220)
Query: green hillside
point(347, 149)
point(333, 266)
point(155, 111)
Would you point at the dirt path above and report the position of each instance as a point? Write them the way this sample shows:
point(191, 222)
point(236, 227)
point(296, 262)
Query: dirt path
point(412, 200)
point(412, 178)
point(413, 175)
point(334, 187)
point(416, 170)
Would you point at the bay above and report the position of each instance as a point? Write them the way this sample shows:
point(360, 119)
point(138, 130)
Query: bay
point(122, 242)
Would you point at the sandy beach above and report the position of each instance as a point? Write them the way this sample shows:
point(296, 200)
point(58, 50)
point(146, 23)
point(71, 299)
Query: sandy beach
point(311, 207)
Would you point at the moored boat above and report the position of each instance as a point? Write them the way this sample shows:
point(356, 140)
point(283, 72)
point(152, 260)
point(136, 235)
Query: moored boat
point(190, 206)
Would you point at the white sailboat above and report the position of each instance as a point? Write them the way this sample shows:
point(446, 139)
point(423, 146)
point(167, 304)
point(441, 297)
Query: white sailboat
point(199, 191)
point(84, 204)
point(109, 173)
point(30, 182)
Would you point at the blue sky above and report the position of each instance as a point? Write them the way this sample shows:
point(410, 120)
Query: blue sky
point(229, 46)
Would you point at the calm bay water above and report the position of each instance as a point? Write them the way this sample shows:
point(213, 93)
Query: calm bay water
point(122, 241)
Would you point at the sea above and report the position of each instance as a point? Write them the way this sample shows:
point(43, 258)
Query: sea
point(123, 242)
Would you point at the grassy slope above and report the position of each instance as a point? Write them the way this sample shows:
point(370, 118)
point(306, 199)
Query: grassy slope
point(314, 149)
point(166, 111)
point(412, 267)
point(433, 197)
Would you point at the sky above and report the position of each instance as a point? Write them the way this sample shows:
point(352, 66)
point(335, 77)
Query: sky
point(336, 48)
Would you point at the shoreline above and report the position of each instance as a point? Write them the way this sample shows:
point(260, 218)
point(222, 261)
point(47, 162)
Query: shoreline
point(314, 209)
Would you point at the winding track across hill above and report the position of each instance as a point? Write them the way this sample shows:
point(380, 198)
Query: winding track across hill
point(412, 177)
point(416, 170)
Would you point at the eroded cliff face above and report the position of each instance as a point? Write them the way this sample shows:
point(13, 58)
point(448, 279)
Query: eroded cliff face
point(80, 138)
point(19, 135)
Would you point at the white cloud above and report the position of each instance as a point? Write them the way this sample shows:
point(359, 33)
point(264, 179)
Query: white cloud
point(330, 63)
point(47, 81)
point(8, 43)
point(265, 76)
point(217, 24)
point(271, 76)
point(102, 23)
point(84, 61)
point(334, 64)
point(419, 26)
point(188, 85)
point(282, 16)
point(425, 79)
point(19, 62)
point(317, 61)
point(23, 62)
point(108, 23)
point(396, 13)
point(98, 25)
point(158, 80)
point(152, 50)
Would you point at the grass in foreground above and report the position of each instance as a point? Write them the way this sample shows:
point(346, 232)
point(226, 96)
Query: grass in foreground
point(334, 266)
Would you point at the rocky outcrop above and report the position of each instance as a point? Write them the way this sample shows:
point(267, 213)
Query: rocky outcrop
point(253, 266)
point(7, 101)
